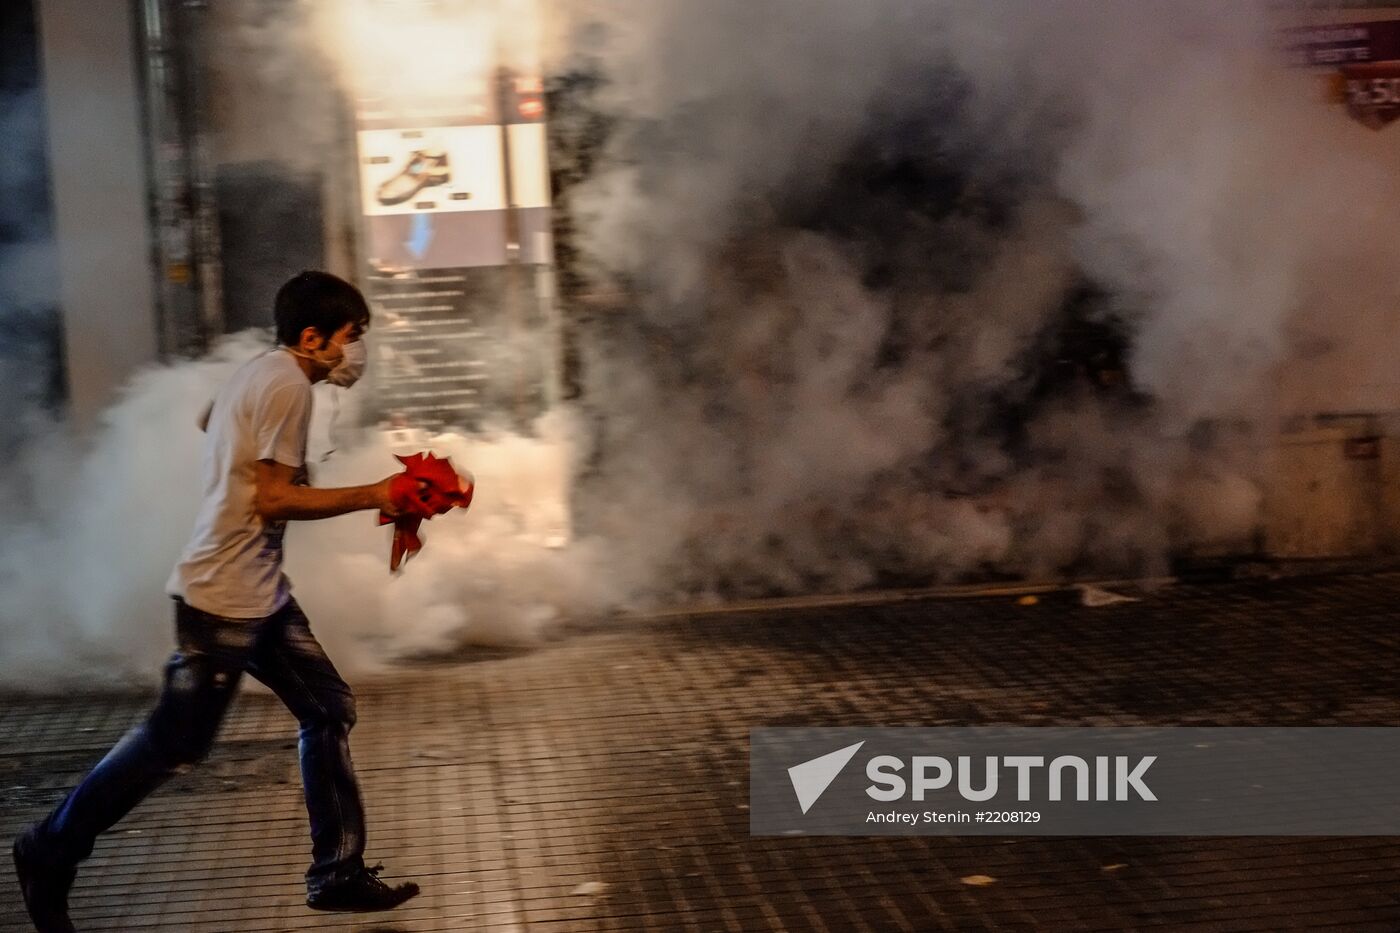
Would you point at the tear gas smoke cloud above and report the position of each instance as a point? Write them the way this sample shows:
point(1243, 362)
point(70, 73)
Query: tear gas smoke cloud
point(845, 242)
point(92, 525)
point(85, 562)
point(1153, 151)
point(393, 52)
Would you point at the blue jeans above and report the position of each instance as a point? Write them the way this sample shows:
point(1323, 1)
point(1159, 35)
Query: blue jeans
point(201, 678)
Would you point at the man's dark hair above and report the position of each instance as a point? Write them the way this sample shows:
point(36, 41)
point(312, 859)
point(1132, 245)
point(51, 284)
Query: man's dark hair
point(320, 300)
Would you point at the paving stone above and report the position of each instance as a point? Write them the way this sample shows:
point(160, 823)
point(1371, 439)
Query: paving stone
point(617, 754)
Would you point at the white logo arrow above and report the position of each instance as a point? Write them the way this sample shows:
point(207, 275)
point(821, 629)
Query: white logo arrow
point(811, 778)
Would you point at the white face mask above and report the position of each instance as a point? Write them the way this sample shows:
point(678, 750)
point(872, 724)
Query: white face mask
point(351, 366)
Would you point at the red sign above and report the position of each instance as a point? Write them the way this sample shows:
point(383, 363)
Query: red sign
point(1343, 43)
point(1372, 92)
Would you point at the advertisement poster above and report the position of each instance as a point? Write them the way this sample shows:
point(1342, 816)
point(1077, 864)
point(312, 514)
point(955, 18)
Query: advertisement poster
point(437, 169)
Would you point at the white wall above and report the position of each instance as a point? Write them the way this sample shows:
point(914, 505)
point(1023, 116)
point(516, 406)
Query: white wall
point(99, 182)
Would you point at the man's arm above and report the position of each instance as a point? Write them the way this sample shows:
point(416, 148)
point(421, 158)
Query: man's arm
point(277, 499)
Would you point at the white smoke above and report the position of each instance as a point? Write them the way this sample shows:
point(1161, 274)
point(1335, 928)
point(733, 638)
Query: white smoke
point(811, 382)
point(1156, 149)
point(94, 525)
point(498, 574)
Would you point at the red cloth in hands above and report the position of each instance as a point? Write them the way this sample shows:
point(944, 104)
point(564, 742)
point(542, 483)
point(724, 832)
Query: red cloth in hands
point(428, 486)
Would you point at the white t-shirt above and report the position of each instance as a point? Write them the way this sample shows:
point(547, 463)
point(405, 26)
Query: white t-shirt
point(233, 564)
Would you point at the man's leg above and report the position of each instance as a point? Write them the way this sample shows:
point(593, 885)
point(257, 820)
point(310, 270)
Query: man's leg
point(290, 661)
point(201, 678)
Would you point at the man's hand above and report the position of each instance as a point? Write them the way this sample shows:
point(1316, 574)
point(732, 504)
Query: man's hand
point(388, 506)
point(384, 493)
point(427, 487)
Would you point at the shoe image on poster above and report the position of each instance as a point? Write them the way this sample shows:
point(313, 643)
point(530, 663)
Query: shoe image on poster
point(426, 168)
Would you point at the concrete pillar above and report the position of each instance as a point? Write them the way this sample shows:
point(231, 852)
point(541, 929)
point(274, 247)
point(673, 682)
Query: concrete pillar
point(99, 176)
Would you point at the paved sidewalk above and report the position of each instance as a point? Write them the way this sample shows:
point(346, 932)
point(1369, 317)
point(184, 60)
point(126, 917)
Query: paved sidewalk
point(600, 782)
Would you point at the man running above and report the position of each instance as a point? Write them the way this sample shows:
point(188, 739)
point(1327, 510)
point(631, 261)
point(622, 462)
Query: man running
point(234, 612)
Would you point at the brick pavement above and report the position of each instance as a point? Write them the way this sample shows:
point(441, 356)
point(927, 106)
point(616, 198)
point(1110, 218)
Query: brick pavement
point(513, 784)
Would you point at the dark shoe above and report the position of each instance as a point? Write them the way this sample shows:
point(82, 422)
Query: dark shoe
point(361, 892)
point(45, 889)
point(425, 168)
